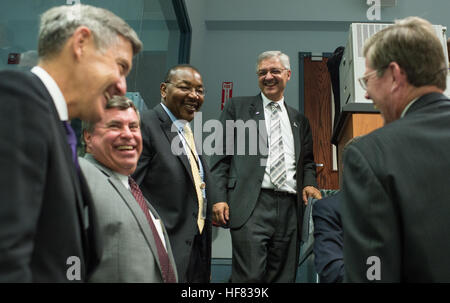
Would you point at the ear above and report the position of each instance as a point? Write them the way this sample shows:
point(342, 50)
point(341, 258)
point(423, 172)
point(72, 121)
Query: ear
point(289, 74)
point(163, 90)
point(398, 74)
point(87, 140)
point(81, 38)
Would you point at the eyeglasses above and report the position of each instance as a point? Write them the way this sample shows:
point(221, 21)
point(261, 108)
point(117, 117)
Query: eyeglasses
point(273, 71)
point(199, 91)
point(364, 79)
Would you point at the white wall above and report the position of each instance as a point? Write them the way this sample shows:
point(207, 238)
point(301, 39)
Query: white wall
point(228, 36)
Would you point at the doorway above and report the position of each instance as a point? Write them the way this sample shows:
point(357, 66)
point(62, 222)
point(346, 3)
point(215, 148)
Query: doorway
point(316, 104)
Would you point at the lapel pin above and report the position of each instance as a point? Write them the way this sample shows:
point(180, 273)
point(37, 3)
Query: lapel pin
point(257, 113)
point(295, 124)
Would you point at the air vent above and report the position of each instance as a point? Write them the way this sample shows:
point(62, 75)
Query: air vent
point(388, 3)
point(365, 31)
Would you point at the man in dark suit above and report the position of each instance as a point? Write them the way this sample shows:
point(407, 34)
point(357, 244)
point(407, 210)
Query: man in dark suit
point(136, 246)
point(47, 231)
point(261, 197)
point(174, 177)
point(396, 197)
point(328, 239)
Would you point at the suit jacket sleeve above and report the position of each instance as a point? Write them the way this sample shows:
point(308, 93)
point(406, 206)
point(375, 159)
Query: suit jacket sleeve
point(328, 242)
point(309, 166)
point(369, 221)
point(220, 164)
point(22, 175)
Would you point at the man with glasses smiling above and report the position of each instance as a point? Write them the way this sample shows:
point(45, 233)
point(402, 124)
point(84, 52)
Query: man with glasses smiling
point(262, 201)
point(178, 185)
point(395, 193)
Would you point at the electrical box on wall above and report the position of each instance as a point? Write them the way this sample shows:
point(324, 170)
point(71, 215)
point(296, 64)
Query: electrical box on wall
point(352, 65)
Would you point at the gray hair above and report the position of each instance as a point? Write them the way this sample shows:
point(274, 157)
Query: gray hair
point(59, 23)
point(284, 59)
point(116, 101)
point(413, 44)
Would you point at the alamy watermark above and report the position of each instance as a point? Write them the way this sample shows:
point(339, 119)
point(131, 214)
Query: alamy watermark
point(73, 272)
point(234, 137)
point(373, 273)
point(374, 11)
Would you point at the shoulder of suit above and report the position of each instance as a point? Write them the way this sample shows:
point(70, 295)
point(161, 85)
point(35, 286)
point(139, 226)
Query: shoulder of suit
point(293, 110)
point(31, 92)
point(149, 112)
point(245, 98)
point(243, 101)
point(22, 79)
point(298, 115)
point(91, 169)
point(87, 167)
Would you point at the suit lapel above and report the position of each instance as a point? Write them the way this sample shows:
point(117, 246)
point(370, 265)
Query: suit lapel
point(132, 204)
point(82, 194)
point(75, 178)
point(136, 210)
point(256, 112)
point(166, 126)
point(295, 126)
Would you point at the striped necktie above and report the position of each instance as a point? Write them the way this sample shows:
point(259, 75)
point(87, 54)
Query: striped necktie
point(277, 163)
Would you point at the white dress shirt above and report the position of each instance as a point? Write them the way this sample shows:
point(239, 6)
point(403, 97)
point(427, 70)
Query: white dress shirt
point(157, 222)
point(54, 91)
point(288, 146)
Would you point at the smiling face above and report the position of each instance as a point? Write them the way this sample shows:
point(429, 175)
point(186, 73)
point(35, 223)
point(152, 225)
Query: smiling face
point(272, 85)
point(179, 95)
point(116, 140)
point(101, 74)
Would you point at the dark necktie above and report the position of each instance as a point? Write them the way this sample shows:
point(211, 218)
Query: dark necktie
point(72, 139)
point(166, 268)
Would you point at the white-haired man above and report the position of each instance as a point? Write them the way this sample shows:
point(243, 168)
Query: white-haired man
point(263, 197)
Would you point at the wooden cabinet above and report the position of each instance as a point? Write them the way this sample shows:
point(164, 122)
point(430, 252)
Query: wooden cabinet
point(355, 119)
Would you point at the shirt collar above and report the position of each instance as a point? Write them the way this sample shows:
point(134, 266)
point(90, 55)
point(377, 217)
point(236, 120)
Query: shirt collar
point(178, 123)
point(122, 178)
point(407, 107)
point(267, 101)
point(54, 91)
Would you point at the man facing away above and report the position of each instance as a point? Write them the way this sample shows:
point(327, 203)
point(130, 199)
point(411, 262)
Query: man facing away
point(47, 223)
point(396, 198)
point(136, 246)
point(262, 196)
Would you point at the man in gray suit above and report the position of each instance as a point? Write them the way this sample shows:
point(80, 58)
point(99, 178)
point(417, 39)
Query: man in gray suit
point(136, 244)
point(262, 196)
point(396, 193)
